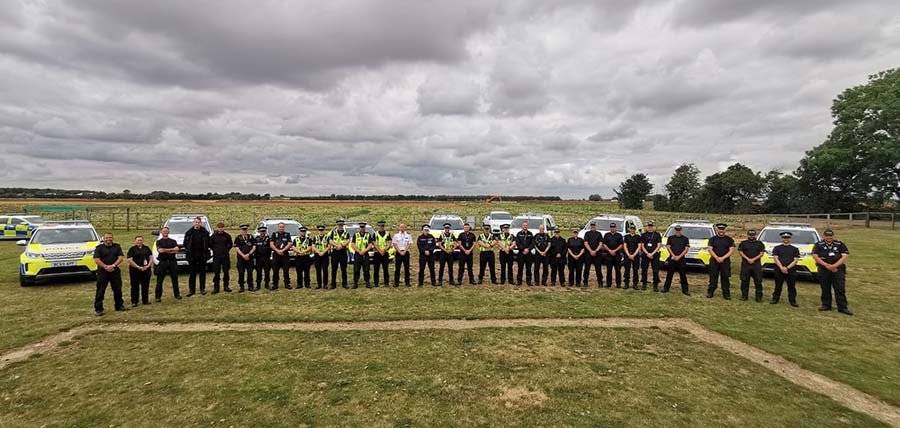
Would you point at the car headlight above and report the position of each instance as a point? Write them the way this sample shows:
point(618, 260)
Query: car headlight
point(32, 255)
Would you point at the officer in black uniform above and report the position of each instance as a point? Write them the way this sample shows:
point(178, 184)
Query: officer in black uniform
point(245, 249)
point(322, 252)
point(831, 255)
point(167, 248)
point(506, 242)
point(678, 246)
point(340, 239)
point(540, 258)
point(633, 243)
point(751, 251)
point(557, 258)
point(447, 245)
point(576, 249)
point(486, 243)
point(720, 247)
point(140, 260)
point(786, 257)
point(361, 244)
point(196, 249)
point(593, 256)
point(262, 258)
point(382, 257)
point(108, 256)
point(524, 250)
point(220, 243)
point(280, 243)
point(652, 243)
point(465, 242)
point(304, 251)
point(426, 245)
point(613, 242)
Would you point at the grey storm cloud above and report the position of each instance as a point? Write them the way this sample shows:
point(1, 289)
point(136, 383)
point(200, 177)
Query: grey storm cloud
point(359, 96)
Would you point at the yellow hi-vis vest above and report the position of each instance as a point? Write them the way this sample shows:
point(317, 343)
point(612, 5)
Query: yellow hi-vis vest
point(361, 240)
point(381, 241)
point(448, 240)
point(300, 243)
point(506, 239)
point(487, 240)
point(321, 242)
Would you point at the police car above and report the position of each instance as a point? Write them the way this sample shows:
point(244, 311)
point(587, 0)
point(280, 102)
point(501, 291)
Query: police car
point(534, 220)
point(290, 226)
point(698, 232)
point(438, 220)
point(495, 219)
point(19, 226)
point(178, 224)
point(623, 222)
point(58, 249)
point(804, 238)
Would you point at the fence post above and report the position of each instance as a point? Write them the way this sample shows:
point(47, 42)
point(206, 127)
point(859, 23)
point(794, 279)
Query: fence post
point(113, 226)
point(867, 219)
point(137, 220)
point(893, 220)
point(128, 218)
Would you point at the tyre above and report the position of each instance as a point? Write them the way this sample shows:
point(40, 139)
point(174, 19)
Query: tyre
point(26, 281)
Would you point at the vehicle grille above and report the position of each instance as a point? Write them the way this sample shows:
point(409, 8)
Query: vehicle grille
point(66, 269)
point(68, 255)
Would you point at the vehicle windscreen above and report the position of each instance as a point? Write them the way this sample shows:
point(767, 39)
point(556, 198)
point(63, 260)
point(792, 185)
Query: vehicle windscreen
point(801, 237)
point(693, 232)
point(63, 236)
point(533, 223)
point(179, 227)
point(501, 216)
point(37, 220)
point(603, 224)
point(438, 223)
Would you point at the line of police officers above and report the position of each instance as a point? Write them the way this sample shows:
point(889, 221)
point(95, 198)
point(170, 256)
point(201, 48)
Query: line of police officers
point(537, 256)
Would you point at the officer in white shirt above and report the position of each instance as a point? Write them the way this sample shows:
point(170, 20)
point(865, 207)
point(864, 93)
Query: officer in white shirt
point(401, 241)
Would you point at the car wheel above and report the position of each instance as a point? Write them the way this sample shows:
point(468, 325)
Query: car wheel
point(25, 281)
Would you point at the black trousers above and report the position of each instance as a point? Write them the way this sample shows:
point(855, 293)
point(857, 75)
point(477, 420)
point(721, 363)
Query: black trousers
point(829, 280)
point(198, 269)
point(166, 267)
point(304, 263)
point(245, 272)
point(140, 285)
point(486, 260)
point(506, 267)
point(631, 269)
point(575, 269)
point(524, 262)
point(646, 264)
point(221, 266)
point(321, 263)
point(446, 260)
point(398, 261)
point(749, 271)
point(380, 264)
point(613, 264)
point(281, 265)
point(466, 264)
point(719, 271)
point(558, 269)
point(360, 265)
point(780, 278)
point(263, 267)
point(429, 262)
point(339, 260)
point(541, 267)
point(679, 266)
point(112, 279)
point(587, 260)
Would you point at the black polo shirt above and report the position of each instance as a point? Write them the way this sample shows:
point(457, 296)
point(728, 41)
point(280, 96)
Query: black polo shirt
point(557, 245)
point(220, 243)
point(524, 239)
point(166, 243)
point(281, 239)
point(593, 238)
point(575, 244)
point(262, 246)
point(140, 255)
point(541, 241)
point(678, 244)
point(651, 240)
point(751, 247)
point(633, 242)
point(612, 240)
point(830, 253)
point(108, 255)
point(244, 244)
point(785, 253)
point(720, 244)
point(466, 240)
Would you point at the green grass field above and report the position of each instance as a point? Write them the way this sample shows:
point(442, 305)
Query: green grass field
point(496, 377)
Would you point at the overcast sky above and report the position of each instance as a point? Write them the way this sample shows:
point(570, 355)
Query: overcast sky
point(383, 97)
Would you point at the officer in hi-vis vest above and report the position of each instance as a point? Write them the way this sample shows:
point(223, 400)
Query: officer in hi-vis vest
point(361, 244)
point(340, 239)
point(447, 245)
point(321, 252)
point(303, 250)
point(382, 257)
point(506, 242)
point(486, 243)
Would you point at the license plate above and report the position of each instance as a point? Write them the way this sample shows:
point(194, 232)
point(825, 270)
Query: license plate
point(62, 264)
point(180, 256)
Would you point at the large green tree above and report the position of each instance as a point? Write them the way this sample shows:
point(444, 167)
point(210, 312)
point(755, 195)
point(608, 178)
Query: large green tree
point(858, 166)
point(782, 194)
point(683, 188)
point(734, 190)
point(633, 191)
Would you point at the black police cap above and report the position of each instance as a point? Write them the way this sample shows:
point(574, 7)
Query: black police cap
point(828, 232)
point(504, 226)
point(677, 227)
point(426, 227)
point(262, 229)
point(303, 229)
point(447, 225)
point(721, 226)
point(362, 225)
point(786, 234)
point(244, 226)
point(612, 225)
point(486, 227)
point(320, 227)
point(650, 223)
point(381, 223)
point(751, 232)
point(340, 222)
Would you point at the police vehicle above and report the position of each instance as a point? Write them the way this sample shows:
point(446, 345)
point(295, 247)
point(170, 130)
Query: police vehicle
point(698, 232)
point(534, 220)
point(438, 220)
point(58, 249)
point(178, 224)
point(290, 226)
point(623, 222)
point(804, 238)
point(495, 219)
point(19, 226)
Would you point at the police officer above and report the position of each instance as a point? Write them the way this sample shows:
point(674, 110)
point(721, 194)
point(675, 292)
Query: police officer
point(751, 251)
point(678, 246)
point(280, 243)
point(220, 243)
point(426, 245)
point(557, 257)
point(167, 248)
point(652, 243)
point(322, 252)
point(245, 249)
point(524, 247)
point(786, 258)
point(576, 249)
point(447, 245)
point(382, 257)
point(108, 256)
point(541, 256)
point(140, 260)
point(340, 239)
point(303, 249)
point(465, 242)
point(262, 260)
point(196, 248)
point(831, 255)
point(613, 242)
point(633, 244)
point(506, 243)
point(361, 244)
point(720, 247)
point(402, 241)
point(486, 243)
point(593, 245)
